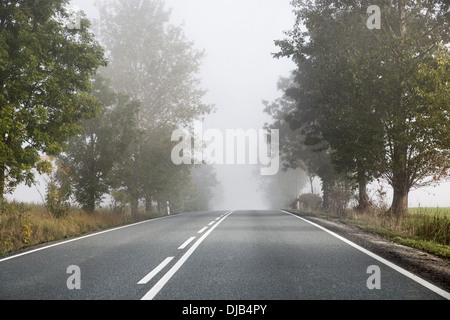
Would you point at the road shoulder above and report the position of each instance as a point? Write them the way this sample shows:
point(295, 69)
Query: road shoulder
point(424, 265)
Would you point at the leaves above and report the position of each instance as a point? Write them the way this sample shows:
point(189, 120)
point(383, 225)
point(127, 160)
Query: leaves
point(378, 98)
point(45, 74)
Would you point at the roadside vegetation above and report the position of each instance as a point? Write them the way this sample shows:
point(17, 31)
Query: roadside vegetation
point(25, 225)
point(423, 228)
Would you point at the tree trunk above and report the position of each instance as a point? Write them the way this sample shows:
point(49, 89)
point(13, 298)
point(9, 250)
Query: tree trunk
point(90, 204)
point(326, 195)
point(363, 201)
point(148, 204)
point(134, 203)
point(400, 202)
point(134, 208)
point(400, 179)
point(311, 182)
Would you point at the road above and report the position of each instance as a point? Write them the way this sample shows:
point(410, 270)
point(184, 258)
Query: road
point(222, 255)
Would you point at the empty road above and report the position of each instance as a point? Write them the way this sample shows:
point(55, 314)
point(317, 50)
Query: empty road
point(222, 255)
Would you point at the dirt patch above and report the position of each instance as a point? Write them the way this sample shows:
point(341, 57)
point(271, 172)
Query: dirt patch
point(424, 265)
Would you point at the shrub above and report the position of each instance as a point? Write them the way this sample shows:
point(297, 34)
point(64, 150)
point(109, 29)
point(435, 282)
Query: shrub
point(56, 201)
point(310, 201)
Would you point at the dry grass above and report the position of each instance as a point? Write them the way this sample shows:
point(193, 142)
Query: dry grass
point(428, 224)
point(427, 229)
point(24, 225)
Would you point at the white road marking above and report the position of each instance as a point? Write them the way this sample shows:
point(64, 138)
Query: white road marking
point(202, 229)
point(406, 273)
point(155, 271)
point(212, 222)
point(186, 243)
point(162, 282)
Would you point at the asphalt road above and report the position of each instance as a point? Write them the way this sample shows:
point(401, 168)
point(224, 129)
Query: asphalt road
point(239, 255)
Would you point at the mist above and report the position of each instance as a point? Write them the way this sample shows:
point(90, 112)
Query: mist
point(239, 72)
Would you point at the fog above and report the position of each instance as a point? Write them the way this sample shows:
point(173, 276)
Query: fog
point(239, 72)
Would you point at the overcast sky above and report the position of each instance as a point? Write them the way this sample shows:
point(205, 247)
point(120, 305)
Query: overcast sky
point(239, 72)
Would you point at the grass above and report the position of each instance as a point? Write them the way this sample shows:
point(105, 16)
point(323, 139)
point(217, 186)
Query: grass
point(24, 225)
point(427, 229)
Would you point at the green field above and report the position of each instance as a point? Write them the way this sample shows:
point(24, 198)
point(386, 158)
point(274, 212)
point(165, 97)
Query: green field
point(445, 211)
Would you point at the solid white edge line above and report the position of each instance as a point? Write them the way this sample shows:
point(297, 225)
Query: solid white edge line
point(186, 243)
point(202, 229)
point(406, 273)
point(83, 237)
point(162, 282)
point(155, 271)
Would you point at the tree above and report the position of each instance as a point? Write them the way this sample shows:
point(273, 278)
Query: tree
point(200, 193)
point(366, 88)
point(300, 145)
point(45, 71)
point(153, 63)
point(294, 153)
point(103, 142)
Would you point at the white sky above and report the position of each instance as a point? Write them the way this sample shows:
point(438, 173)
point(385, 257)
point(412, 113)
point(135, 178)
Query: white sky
point(239, 72)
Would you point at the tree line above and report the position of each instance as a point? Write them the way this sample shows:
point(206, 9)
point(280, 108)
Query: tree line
point(94, 106)
point(366, 103)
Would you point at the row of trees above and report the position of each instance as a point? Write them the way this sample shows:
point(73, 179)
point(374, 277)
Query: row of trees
point(366, 103)
point(102, 106)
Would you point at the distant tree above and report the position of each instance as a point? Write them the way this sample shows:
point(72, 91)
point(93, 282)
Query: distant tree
point(152, 62)
point(102, 143)
point(45, 70)
point(200, 193)
point(281, 189)
point(299, 142)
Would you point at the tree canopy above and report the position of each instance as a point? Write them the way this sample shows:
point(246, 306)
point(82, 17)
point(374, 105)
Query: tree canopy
point(45, 70)
point(378, 98)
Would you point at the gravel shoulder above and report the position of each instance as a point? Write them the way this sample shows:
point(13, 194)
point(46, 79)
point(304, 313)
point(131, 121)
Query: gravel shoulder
point(426, 266)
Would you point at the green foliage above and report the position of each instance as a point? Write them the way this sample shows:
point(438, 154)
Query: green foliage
point(45, 71)
point(56, 200)
point(119, 201)
point(101, 145)
point(377, 99)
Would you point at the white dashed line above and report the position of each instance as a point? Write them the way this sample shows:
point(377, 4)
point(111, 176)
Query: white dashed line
point(202, 229)
point(155, 271)
point(186, 243)
point(162, 282)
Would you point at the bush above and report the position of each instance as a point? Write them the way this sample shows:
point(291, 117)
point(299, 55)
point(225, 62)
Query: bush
point(310, 201)
point(56, 201)
point(339, 199)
